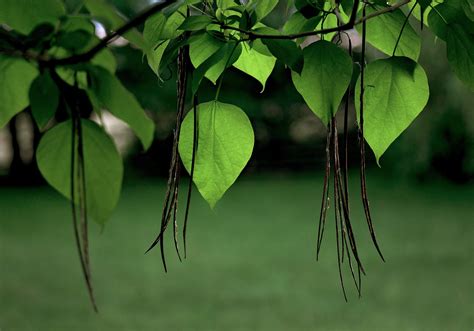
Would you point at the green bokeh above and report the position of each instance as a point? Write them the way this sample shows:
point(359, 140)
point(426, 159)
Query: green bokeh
point(250, 263)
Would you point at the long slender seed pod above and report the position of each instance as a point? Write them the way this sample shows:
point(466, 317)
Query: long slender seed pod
point(325, 195)
point(365, 200)
point(193, 161)
point(337, 206)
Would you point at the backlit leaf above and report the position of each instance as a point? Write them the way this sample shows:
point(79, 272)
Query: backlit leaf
point(384, 30)
point(225, 145)
point(396, 91)
point(325, 77)
point(256, 64)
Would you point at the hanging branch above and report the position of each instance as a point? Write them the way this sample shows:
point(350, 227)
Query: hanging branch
point(353, 21)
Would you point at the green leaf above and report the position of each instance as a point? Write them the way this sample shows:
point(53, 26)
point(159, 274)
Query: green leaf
point(325, 77)
point(225, 144)
point(287, 52)
point(460, 48)
point(262, 8)
point(256, 64)
point(74, 41)
point(202, 47)
point(195, 23)
point(328, 22)
point(108, 15)
point(396, 91)
point(446, 14)
point(44, 99)
point(214, 66)
point(113, 96)
point(298, 23)
point(24, 15)
point(154, 56)
point(102, 163)
point(157, 32)
point(160, 27)
point(16, 76)
point(383, 32)
point(105, 59)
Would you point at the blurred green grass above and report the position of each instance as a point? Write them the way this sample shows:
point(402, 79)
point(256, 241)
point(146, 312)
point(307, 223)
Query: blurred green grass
point(250, 263)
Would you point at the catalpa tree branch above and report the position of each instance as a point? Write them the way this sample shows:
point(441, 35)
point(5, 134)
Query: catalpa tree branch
point(50, 62)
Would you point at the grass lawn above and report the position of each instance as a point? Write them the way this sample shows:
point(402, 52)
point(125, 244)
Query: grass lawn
point(250, 263)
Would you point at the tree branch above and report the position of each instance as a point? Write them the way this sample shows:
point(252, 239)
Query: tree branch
point(46, 61)
point(349, 25)
point(84, 57)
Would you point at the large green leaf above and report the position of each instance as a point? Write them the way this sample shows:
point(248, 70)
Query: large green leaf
point(16, 76)
point(325, 77)
point(113, 96)
point(24, 15)
point(102, 164)
point(225, 145)
point(256, 64)
point(44, 99)
point(460, 48)
point(384, 30)
point(396, 91)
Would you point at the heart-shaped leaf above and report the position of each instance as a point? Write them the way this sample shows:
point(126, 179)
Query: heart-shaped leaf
point(224, 147)
point(255, 63)
point(102, 163)
point(326, 74)
point(395, 92)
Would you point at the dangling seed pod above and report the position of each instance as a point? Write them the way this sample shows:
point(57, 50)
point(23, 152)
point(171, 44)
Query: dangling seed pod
point(170, 206)
point(345, 237)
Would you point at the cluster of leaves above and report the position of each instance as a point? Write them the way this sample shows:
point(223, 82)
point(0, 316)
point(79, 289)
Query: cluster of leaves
point(52, 62)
